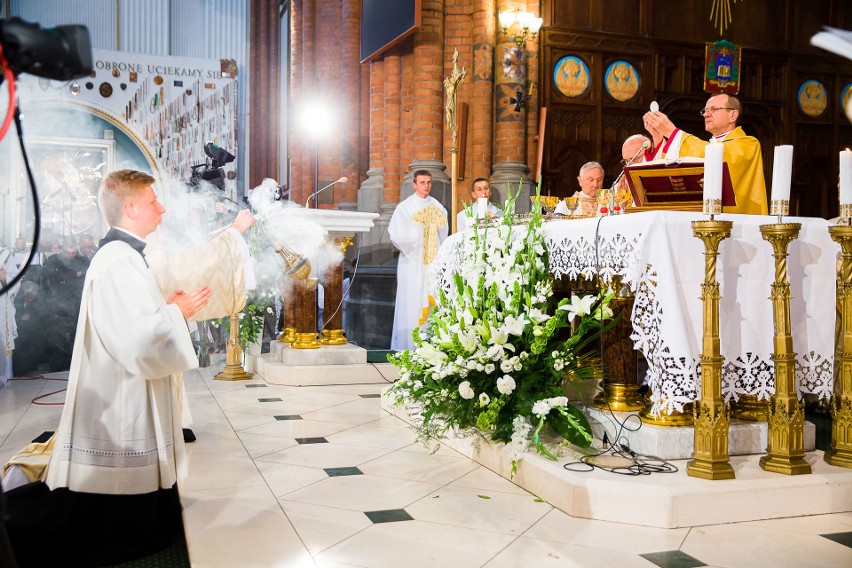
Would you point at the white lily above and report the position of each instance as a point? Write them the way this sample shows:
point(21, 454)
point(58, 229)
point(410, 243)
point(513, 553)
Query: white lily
point(578, 306)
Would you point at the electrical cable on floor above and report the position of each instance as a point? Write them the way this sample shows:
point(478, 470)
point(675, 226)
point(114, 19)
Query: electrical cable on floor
point(41, 396)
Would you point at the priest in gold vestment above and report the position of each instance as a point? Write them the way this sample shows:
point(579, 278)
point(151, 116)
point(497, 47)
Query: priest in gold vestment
point(741, 152)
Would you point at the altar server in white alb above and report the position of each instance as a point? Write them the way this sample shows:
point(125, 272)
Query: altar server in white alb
point(118, 453)
point(417, 228)
point(480, 189)
point(120, 431)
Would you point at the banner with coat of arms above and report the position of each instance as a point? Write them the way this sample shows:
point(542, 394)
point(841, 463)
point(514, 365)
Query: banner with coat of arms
point(722, 67)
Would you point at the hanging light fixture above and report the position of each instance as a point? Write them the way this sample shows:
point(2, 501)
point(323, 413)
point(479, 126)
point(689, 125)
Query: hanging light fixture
point(526, 24)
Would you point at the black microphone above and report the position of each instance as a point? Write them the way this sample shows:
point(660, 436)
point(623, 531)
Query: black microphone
point(343, 179)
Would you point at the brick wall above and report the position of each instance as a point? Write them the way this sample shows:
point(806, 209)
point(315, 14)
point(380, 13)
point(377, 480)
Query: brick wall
point(394, 105)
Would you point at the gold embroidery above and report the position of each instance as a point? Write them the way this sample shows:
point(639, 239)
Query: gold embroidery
point(431, 218)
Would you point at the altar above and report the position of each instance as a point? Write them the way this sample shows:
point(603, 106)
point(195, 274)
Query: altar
point(655, 254)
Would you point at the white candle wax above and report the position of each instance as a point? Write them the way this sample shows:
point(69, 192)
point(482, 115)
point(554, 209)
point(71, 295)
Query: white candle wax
point(481, 207)
point(846, 177)
point(782, 172)
point(713, 171)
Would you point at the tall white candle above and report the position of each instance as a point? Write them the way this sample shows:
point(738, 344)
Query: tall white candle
point(713, 171)
point(481, 207)
point(782, 172)
point(846, 177)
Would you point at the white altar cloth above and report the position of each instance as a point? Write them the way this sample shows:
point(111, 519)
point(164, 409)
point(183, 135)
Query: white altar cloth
point(663, 263)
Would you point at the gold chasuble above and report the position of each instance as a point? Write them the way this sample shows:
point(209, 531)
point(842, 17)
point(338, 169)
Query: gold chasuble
point(745, 164)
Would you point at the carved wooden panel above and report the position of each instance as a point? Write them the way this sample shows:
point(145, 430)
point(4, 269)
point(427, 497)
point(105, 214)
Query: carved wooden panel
point(572, 141)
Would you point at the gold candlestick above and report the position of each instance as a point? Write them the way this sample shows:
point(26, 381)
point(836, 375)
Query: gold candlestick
point(620, 389)
point(233, 370)
point(710, 455)
point(785, 451)
point(839, 450)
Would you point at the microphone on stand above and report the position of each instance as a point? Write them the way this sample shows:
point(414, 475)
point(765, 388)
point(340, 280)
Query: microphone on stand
point(639, 152)
point(343, 179)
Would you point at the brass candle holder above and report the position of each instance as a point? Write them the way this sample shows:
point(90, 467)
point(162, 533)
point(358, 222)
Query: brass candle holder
point(233, 370)
point(785, 451)
point(620, 389)
point(710, 456)
point(676, 418)
point(839, 450)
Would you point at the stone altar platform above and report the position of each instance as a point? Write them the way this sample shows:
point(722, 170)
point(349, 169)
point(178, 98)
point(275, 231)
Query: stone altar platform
point(328, 365)
point(667, 500)
point(675, 443)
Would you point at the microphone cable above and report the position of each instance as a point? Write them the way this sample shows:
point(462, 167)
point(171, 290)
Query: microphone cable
point(618, 458)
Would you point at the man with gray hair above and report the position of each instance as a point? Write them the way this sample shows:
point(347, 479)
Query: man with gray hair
point(590, 180)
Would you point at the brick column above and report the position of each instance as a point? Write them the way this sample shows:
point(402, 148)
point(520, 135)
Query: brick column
point(481, 135)
point(371, 193)
point(350, 77)
point(263, 132)
point(533, 104)
point(302, 87)
point(391, 141)
point(426, 119)
point(510, 148)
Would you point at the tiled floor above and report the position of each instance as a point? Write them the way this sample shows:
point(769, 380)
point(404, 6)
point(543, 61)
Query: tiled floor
point(322, 476)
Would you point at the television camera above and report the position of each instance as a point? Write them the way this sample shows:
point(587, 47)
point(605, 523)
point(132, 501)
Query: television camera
point(212, 172)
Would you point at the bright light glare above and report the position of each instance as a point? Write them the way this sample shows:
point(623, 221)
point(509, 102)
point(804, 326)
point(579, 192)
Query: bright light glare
point(316, 121)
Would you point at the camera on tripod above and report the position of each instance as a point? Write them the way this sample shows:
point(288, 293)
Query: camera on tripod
point(212, 173)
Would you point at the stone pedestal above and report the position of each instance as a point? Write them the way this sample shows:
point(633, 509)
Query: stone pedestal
point(512, 174)
point(676, 442)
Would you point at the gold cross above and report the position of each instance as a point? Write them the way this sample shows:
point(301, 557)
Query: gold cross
point(431, 218)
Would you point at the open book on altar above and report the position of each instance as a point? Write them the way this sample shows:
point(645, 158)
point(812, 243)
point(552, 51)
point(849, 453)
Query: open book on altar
point(660, 184)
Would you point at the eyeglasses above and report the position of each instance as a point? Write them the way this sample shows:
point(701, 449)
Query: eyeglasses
point(709, 110)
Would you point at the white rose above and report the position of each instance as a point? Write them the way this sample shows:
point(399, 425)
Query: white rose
point(465, 391)
point(484, 399)
point(506, 384)
point(489, 368)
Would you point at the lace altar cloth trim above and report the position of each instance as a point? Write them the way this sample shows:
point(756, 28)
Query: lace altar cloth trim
point(661, 261)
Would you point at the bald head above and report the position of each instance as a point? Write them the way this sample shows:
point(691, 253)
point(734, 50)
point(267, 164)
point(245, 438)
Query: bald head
point(632, 145)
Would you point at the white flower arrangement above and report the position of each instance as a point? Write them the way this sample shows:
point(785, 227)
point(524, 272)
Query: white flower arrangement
point(500, 315)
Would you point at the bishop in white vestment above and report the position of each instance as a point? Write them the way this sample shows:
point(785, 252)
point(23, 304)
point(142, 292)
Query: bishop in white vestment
point(417, 228)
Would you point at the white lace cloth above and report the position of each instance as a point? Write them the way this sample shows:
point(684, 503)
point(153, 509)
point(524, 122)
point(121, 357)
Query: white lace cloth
point(663, 263)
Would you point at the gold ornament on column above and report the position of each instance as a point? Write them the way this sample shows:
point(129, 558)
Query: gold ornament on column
point(839, 450)
point(710, 455)
point(785, 451)
point(451, 86)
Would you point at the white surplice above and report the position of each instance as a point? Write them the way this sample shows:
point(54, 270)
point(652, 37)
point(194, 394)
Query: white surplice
point(120, 431)
point(418, 243)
